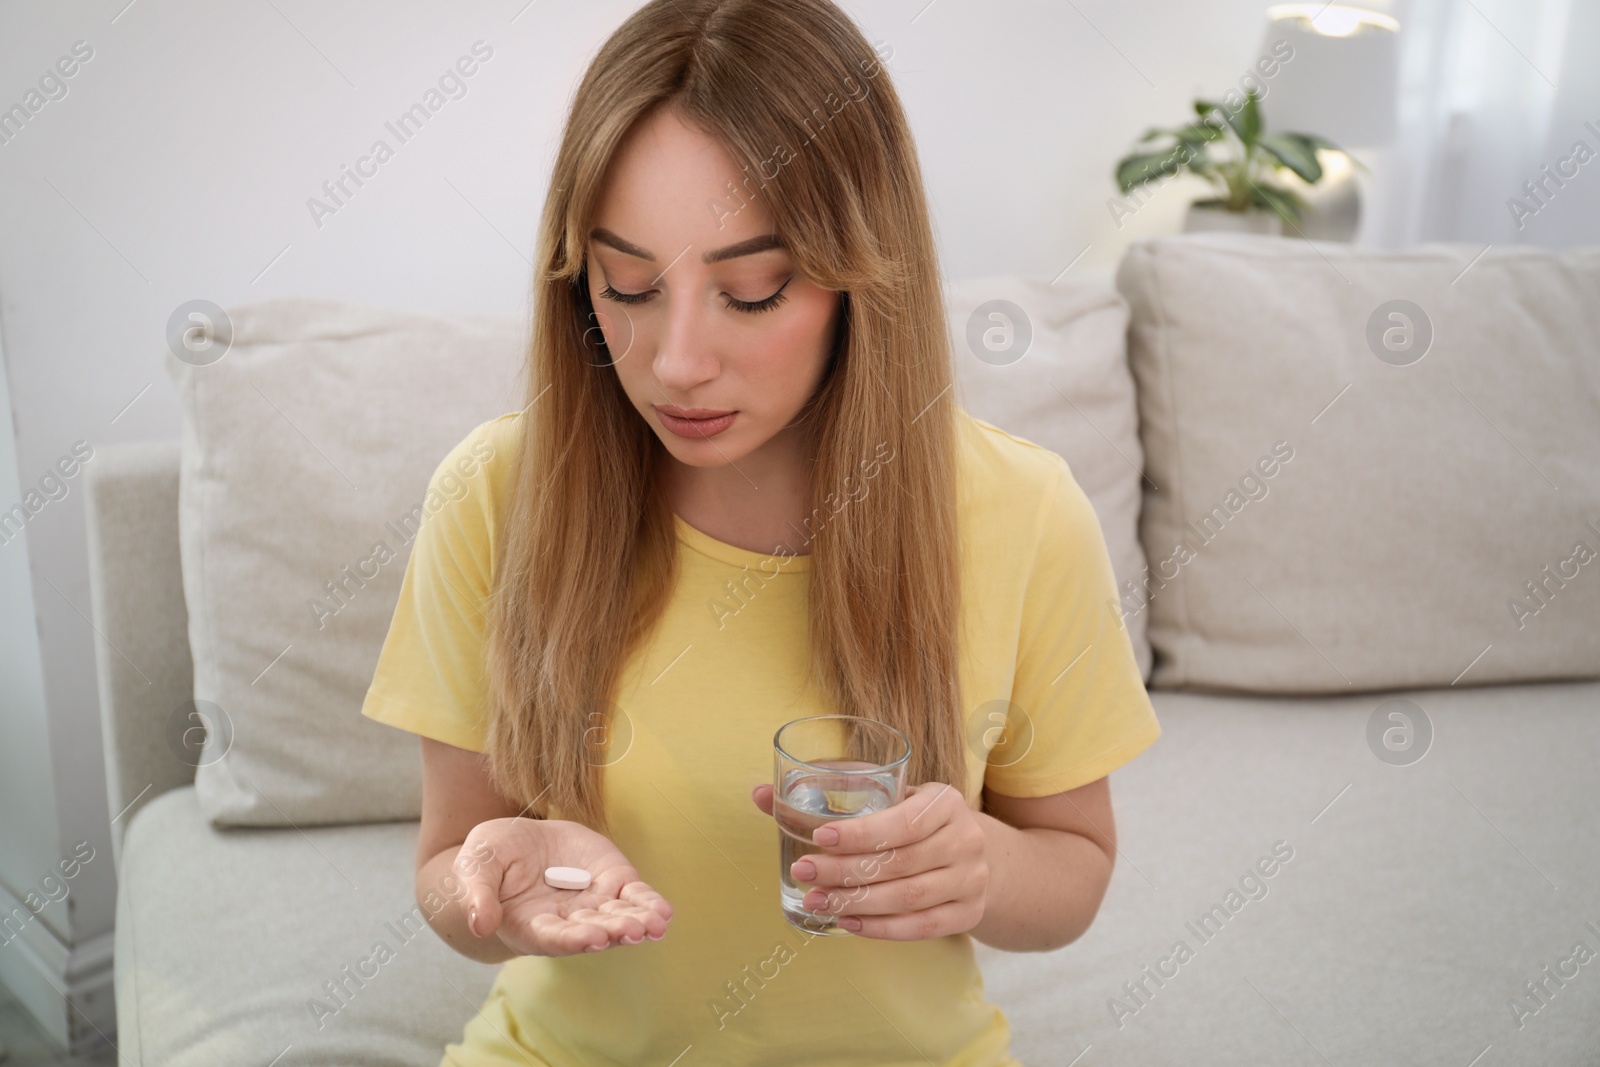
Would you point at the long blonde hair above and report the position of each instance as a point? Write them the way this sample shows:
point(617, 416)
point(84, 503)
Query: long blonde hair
point(588, 553)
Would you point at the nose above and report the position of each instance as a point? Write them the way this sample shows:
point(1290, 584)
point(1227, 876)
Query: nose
point(685, 355)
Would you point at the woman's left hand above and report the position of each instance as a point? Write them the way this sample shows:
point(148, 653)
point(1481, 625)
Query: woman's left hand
point(912, 871)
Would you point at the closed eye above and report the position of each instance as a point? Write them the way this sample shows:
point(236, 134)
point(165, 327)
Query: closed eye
point(733, 303)
point(761, 305)
point(623, 298)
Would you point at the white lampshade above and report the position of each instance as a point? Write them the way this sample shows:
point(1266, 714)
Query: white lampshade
point(1342, 80)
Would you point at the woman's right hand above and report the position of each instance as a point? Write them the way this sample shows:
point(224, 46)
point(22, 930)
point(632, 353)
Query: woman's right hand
point(502, 864)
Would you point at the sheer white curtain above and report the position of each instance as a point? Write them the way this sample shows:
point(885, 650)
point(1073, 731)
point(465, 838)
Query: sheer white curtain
point(1491, 91)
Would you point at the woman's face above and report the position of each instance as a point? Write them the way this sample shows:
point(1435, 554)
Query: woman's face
point(701, 315)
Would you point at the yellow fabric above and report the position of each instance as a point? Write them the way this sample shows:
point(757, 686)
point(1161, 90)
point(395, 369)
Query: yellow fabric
point(733, 982)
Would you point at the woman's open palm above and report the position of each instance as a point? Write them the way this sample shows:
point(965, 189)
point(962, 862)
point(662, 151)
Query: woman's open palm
point(502, 863)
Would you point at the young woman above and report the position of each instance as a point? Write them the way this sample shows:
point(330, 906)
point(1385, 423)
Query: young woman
point(741, 492)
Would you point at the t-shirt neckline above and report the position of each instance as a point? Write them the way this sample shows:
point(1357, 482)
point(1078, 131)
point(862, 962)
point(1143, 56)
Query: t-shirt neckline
point(733, 555)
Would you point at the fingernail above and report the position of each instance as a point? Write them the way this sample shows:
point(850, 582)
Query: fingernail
point(594, 948)
point(803, 870)
point(826, 836)
point(632, 940)
point(472, 921)
point(656, 937)
point(850, 923)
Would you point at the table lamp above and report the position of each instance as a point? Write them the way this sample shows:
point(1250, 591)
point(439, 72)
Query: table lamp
point(1341, 83)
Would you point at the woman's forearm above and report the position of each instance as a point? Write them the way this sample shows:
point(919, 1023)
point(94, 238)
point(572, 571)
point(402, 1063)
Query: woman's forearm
point(1045, 887)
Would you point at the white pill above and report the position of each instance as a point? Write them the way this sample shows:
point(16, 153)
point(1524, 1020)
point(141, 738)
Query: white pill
point(567, 877)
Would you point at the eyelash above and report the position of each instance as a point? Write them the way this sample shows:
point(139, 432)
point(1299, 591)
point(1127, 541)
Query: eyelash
point(750, 307)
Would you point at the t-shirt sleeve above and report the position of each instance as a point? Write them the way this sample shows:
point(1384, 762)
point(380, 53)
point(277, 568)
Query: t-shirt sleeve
point(1079, 709)
point(431, 677)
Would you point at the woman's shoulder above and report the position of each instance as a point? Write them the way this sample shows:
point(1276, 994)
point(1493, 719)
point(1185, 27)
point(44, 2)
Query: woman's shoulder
point(1018, 498)
point(503, 432)
point(472, 480)
point(492, 444)
point(992, 461)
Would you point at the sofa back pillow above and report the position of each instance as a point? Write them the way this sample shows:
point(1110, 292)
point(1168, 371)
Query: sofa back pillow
point(1048, 363)
point(307, 450)
point(1367, 469)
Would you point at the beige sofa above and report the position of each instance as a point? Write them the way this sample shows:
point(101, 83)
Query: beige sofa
point(1367, 834)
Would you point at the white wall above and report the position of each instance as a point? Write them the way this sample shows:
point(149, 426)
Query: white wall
point(179, 164)
point(1572, 214)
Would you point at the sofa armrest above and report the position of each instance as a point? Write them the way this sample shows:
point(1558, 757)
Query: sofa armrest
point(136, 590)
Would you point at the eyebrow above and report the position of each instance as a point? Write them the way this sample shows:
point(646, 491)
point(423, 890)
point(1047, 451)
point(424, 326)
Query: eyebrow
point(716, 255)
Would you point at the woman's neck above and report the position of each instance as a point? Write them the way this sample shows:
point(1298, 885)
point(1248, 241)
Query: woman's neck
point(758, 503)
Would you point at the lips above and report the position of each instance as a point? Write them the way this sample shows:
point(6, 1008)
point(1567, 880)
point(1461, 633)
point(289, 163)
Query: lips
point(695, 422)
point(691, 413)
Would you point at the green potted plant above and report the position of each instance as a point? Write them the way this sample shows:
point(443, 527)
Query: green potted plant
point(1245, 175)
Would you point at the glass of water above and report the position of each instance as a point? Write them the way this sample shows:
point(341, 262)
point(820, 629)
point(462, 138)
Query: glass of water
point(825, 768)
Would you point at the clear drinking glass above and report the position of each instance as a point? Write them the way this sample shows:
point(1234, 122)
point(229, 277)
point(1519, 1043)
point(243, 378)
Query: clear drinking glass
point(829, 767)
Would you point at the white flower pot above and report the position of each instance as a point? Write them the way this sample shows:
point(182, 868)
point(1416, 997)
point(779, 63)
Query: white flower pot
point(1333, 205)
point(1203, 216)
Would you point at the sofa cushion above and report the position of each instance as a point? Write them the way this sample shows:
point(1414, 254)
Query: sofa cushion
point(1367, 468)
point(1416, 902)
point(235, 946)
point(338, 413)
point(307, 452)
point(1417, 897)
point(1048, 363)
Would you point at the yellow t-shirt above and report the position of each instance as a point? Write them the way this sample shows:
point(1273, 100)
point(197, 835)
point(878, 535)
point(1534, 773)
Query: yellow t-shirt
point(733, 982)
